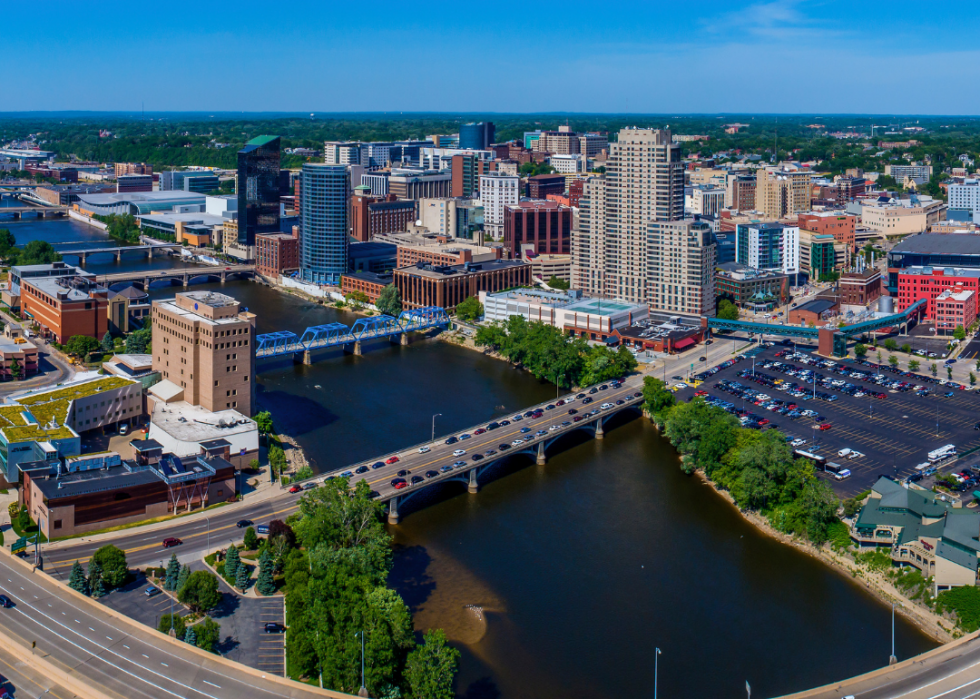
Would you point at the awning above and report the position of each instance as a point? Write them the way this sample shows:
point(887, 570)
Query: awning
point(686, 342)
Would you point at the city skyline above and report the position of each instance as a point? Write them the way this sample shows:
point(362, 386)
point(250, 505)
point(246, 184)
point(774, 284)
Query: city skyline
point(638, 60)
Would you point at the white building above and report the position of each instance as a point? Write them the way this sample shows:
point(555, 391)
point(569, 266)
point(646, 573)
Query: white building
point(180, 428)
point(497, 192)
point(705, 201)
point(768, 247)
point(966, 196)
point(567, 310)
point(339, 153)
point(567, 164)
point(442, 158)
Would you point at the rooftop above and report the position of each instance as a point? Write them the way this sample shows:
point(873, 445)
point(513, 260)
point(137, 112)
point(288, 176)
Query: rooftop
point(73, 391)
point(942, 271)
point(69, 288)
point(192, 423)
point(93, 481)
point(817, 305)
point(938, 244)
point(163, 198)
point(425, 269)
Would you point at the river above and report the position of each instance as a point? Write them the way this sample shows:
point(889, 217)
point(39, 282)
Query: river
point(561, 580)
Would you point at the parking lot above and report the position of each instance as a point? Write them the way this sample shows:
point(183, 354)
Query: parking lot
point(892, 432)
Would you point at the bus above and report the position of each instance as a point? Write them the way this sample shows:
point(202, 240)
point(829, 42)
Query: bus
point(818, 460)
point(941, 454)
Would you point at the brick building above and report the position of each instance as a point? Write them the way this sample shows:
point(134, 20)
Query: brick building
point(544, 224)
point(449, 285)
point(134, 183)
point(955, 309)
point(915, 283)
point(133, 169)
point(540, 186)
point(813, 312)
point(859, 288)
point(276, 253)
point(466, 170)
point(836, 223)
point(66, 305)
point(371, 216)
point(371, 284)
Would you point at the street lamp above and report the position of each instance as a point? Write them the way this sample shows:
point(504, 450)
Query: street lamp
point(656, 657)
point(892, 659)
point(362, 692)
point(208, 520)
point(434, 425)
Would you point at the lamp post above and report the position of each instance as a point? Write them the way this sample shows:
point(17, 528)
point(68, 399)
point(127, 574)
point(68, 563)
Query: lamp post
point(208, 520)
point(892, 659)
point(434, 425)
point(362, 692)
point(656, 657)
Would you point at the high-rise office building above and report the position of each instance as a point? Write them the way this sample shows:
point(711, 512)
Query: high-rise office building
point(588, 239)
point(681, 260)
point(781, 192)
point(497, 192)
point(258, 189)
point(477, 136)
point(644, 183)
point(323, 223)
point(768, 246)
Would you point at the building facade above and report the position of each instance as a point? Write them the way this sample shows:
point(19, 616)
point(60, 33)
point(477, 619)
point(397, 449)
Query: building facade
point(750, 288)
point(323, 223)
point(276, 253)
point(859, 288)
point(916, 283)
point(449, 285)
point(65, 306)
point(544, 224)
point(497, 192)
point(955, 309)
point(477, 136)
point(419, 184)
point(836, 223)
point(258, 189)
point(372, 216)
point(681, 266)
point(780, 192)
point(540, 186)
point(768, 247)
point(134, 183)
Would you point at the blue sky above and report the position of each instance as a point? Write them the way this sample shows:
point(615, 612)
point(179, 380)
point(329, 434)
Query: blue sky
point(782, 56)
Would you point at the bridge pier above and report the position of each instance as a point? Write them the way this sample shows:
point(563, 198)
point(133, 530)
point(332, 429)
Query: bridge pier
point(117, 256)
point(473, 487)
point(306, 357)
point(599, 432)
point(541, 459)
point(401, 339)
point(186, 281)
point(357, 348)
point(82, 259)
point(146, 284)
point(393, 516)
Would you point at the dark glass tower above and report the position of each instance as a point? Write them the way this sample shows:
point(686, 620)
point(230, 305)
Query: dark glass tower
point(477, 136)
point(258, 188)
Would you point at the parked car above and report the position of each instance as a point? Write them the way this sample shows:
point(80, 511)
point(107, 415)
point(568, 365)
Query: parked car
point(392, 460)
point(151, 591)
point(295, 488)
point(274, 628)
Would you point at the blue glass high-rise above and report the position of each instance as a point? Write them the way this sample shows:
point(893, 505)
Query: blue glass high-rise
point(258, 188)
point(324, 226)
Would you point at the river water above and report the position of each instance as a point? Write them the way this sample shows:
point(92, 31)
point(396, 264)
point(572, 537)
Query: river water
point(561, 580)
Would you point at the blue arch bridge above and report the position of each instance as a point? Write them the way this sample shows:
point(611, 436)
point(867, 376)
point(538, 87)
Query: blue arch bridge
point(332, 335)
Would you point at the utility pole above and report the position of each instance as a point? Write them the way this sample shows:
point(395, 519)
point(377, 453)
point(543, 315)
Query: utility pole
point(892, 659)
point(362, 692)
point(656, 658)
point(434, 425)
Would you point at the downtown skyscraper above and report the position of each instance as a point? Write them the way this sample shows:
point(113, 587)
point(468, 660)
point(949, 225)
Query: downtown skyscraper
point(258, 189)
point(324, 225)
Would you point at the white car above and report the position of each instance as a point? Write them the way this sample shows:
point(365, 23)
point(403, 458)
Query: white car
point(799, 442)
point(606, 406)
point(517, 442)
point(553, 428)
point(679, 386)
point(424, 450)
point(459, 452)
point(844, 452)
point(855, 455)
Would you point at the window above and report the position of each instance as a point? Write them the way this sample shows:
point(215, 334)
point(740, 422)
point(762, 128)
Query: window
point(57, 524)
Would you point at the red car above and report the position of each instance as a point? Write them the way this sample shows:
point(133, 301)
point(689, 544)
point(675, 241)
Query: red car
point(479, 431)
point(296, 489)
point(399, 486)
point(700, 393)
point(763, 421)
point(392, 460)
point(825, 426)
point(171, 541)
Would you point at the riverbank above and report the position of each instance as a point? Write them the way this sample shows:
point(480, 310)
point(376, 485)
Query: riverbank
point(937, 627)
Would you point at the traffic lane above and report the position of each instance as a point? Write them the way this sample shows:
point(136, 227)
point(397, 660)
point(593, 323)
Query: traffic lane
point(117, 653)
point(24, 682)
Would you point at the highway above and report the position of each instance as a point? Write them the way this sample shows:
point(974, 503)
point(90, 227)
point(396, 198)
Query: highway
point(117, 656)
point(26, 682)
point(145, 547)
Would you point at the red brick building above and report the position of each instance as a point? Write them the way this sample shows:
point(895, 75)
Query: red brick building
point(66, 306)
point(371, 216)
point(449, 285)
point(859, 288)
point(540, 186)
point(368, 283)
point(928, 283)
point(276, 253)
point(546, 225)
point(955, 309)
point(835, 223)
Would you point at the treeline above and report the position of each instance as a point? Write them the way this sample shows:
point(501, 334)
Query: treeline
point(549, 354)
point(121, 227)
point(756, 467)
point(36, 252)
point(336, 590)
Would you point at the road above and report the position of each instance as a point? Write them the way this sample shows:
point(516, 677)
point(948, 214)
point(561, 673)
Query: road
point(949, 672)
point(26, 682)
point(118, 656)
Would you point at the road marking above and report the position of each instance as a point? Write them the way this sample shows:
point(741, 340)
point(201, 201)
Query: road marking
point(212, 684)
point(126, 647)
point(145, 656)
point(164, 664)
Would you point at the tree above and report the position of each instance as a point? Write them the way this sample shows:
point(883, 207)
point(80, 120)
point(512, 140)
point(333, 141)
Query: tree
point(470, 309)
point(907, 348)
point(232, 563)
point(265, 584)
point(973, 379)
point(559, 283)
point(95, 579)
point(172, 621)
point(173, 573)
point(959, 333)
point(15, 370)
point(949, 373)
point(112, 562)
point(389, 301)
point(78, 582)
point(893, 360)
point(242, 577)
point(860, 350)
point(138, 341)
point(431, 668)
point(891, 345)
point(207, 634)
point(935, 369)
point(656, 397)
point(263, 421)
point(303, 473)
point(81, 345)
point(251, 540)
point(190, 637)
point(107, 344)
point(913, 365)
point(7, 241)
point(727, 310)
point(277, 459)
point(185, 573)
point(38, 252)
point(200, 592)
point(278, 528)
point(356, 299)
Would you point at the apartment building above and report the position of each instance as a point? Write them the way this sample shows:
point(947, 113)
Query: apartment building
point(588, 238)
point(768, 247)
point(740, 192)
point(497, 192)
point(780, 192)
point(133, 169)
point(415, 184)
point(371, 216)
point(449, 285)
point(276, 253)
point(681, 264)
point(705, 201)
point(837, 223)
point(204, 345)
point(342, 153)
point(955, 309)
point(915, 171)
point(966, 196)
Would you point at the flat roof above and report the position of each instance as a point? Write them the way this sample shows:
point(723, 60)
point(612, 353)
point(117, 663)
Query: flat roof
point(53, 287)
point(938, 244)
point(163, 197)
point(447, 271)
point(946, 271)
point(93, 481)
point(817, 305)
point(192, 423)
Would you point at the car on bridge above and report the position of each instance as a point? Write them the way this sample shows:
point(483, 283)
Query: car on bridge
point(503, 447)
point(362, 469)
point(540, 433)
point(445, 469)
point(517, 442)
point(431, 474)
point(477, 457)
point(392, 460)
point(424, 450)
point(479, 431)
point(451, 440)
point(459, 452)
point(459, 464)
point(572, 411)
point(606, 406)
point(378, 464)
point(525, 430)
point(417, 479)
point(398, 483)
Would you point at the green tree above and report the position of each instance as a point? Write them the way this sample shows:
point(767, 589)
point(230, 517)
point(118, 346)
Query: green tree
point(112, 562)
point(356, 299)
point(242, 577)
point(173, 572)
point(913, 365)
point(492, 337)
point(107, 344)
point(701, 430)
point(470, 309)
point(38, 252)
point(959, 333)
point(656, 398)
point(727, 310)
point(232, 562)
point(860, 350)
point(81, 345)
point(893, 360)
point(172, 621)
point(138, 341)
point(907, 348)
point(949, 373)
point(251, 540)
point(95, 578)
point(934, 369)
point(200, 592)
point(277, 459)
point(190, 637)
point(303, 473)
point(208, 634)
point(265, 585)
point(7, 242)
point(431, 668)
point(15, 369)
point(77, 581)
point(891, 345)
point(263, 421)
point(559, 283)
point(389, 301)
point(185, 573)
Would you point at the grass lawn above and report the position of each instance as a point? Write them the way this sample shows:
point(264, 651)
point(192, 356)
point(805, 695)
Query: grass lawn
point(31, 531)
